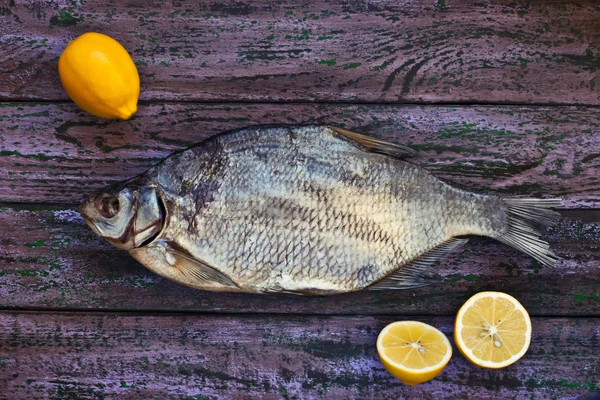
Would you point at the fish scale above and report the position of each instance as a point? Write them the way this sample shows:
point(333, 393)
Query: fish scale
point(302, 209)
point(352, 225)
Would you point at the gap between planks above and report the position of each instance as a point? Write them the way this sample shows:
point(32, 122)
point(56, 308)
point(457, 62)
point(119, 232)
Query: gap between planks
point(272, 315)
point(327, 102)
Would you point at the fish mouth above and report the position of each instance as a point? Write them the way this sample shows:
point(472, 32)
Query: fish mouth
point(85, 209)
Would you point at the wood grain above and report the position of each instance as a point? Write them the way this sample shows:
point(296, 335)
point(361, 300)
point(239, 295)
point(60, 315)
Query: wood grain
point(91, 356)
point(51, 153)
point(541, 52)
point(209, 66)
point(49, 259)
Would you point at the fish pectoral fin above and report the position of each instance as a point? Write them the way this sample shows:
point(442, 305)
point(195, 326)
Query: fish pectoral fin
point(376, 145)
point(409, 276)
point(277, 291)
point(198, 272)
point(302, 292)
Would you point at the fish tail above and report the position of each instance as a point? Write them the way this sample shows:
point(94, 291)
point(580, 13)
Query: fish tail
point(527, 218)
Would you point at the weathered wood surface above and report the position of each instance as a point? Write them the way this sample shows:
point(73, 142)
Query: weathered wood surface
point(49, 259)
point(54, 153)
point(92, 356)
point(537, 52)
point(267, 62)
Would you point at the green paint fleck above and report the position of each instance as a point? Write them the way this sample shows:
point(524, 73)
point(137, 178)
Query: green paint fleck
point(523, 62)
point(283, 391)
point(305, 34)
point(38, 243)
point(182, 370)
point(441, 3)
point(271, 37)
point(164, 63)
point(331, 63)
point(141, 62)
point(25, 272)
point(351, 65)
point(65, 19)
point(561, 383)
point(589, 52)
point(580, 298)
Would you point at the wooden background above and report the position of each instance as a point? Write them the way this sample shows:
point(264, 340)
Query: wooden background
point(497, 96)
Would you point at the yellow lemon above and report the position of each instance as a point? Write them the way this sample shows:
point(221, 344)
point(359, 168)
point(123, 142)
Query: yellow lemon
point(99, 76)
point(412, 351)
point(492, 330)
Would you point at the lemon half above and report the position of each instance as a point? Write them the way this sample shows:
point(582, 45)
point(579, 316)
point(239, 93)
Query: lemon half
point(99, 76)
point(412, 351)
point(492, 330)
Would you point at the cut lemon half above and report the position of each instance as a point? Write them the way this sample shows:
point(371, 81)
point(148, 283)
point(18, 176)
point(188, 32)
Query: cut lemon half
point(412, 351)
point(492, 330)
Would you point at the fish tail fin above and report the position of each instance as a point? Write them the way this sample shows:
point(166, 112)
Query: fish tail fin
point(527, 218)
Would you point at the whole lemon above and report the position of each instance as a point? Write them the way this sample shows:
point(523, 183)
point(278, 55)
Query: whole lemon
point(99, 76)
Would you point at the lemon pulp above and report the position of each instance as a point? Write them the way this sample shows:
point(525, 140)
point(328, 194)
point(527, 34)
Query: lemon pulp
point(413, 352)
point(492, 330)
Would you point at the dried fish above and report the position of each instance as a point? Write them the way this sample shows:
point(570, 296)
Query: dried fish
point(303, 209)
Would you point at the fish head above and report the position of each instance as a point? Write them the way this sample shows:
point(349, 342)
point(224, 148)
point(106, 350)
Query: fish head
point(127, 215)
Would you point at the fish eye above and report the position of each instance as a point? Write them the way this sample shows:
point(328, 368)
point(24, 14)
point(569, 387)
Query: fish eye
point(108, 207)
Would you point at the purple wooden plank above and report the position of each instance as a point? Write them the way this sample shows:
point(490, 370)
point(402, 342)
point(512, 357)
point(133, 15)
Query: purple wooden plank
point(384, 51)
point(90, 356)
point(54, 153)
point(50, 259)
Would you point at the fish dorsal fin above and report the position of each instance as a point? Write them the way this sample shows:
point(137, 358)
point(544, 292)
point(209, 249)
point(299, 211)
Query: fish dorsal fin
point(198, 272)
point(376, 145)
point(409, 276)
